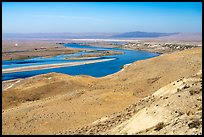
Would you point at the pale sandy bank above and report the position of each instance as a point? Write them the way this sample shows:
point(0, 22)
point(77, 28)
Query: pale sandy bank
point(49, 66)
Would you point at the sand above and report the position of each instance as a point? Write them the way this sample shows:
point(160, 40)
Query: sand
point(173, 109)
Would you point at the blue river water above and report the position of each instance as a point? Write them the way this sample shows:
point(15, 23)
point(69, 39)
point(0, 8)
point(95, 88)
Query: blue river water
point(96, 69)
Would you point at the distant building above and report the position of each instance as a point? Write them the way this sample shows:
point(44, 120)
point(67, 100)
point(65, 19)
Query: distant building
point(16, 44)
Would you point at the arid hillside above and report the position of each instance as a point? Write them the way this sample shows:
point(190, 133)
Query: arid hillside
point(60, 104)
point(173, 109)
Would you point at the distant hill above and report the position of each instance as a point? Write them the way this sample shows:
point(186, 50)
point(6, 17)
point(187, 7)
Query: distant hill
point(139, 34)
point(126, 35)
point(184, 36)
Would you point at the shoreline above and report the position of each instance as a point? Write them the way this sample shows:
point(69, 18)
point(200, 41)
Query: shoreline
point(31, 49)
point(79, 58)
point(48, 52)
point(79, 101)
point(43, 56)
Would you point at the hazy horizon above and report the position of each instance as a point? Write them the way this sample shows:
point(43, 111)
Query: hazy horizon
point(87, 32)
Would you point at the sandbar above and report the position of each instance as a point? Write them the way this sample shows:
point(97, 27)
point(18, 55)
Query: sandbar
point(48, 66)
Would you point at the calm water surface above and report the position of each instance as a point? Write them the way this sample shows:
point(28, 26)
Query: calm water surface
point(97, 69)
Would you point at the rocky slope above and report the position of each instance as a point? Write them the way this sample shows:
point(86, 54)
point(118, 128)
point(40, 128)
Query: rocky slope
point(173, 109)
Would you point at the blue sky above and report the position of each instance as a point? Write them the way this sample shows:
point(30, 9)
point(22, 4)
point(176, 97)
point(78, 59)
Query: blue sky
point(76, 17)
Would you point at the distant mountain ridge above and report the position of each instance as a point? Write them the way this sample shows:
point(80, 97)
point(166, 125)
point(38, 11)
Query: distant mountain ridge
point(139, 34)
point(131, 35)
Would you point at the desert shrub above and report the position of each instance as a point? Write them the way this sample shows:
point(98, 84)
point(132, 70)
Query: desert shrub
point(159, 126)
point(121, 67)
point(194, 124)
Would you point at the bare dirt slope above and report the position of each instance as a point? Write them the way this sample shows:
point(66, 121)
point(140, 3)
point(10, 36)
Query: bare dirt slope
point(58, 103)
point(173, 109)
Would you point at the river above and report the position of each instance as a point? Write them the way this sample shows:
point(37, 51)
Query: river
point(96, 69)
